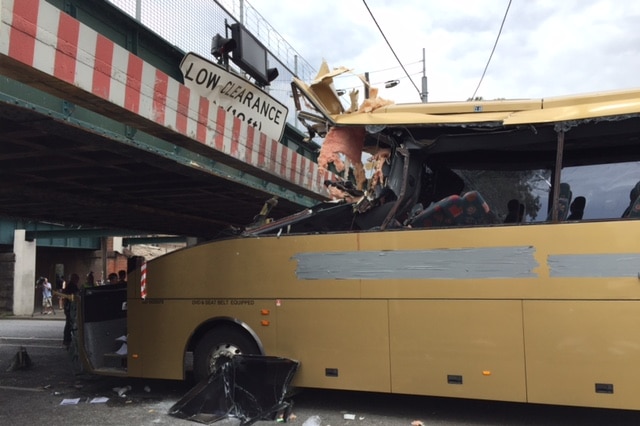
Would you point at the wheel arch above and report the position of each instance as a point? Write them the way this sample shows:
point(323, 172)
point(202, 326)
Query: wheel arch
point(224, 322)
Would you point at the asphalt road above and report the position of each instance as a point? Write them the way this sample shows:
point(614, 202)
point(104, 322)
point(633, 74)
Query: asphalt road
point(33, 396)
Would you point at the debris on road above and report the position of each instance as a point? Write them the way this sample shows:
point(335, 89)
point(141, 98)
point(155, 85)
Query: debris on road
point(248, 387)
point(21, 360)
point(122, 391)
point(312, 421)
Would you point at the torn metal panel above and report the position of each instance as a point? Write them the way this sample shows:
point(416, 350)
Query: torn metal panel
point(249, 387)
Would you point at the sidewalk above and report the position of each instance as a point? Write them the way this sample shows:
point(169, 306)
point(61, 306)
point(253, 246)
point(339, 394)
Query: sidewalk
point(59, 315)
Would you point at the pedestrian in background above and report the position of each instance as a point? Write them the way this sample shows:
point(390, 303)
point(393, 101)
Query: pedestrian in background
point(91, 281)
point(70, 292)
point(122, 275)
point(47, 305)
point(60, 285)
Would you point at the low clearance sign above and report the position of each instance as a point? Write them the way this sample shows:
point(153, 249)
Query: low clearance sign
point(235, 95)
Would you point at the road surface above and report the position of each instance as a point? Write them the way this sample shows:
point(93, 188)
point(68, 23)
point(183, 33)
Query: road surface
point(33, 396)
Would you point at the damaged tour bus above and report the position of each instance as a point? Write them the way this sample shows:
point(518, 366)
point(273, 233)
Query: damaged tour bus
point(483, 250)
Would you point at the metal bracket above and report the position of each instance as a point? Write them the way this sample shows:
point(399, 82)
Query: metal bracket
point(129, 131)
point(68, 109)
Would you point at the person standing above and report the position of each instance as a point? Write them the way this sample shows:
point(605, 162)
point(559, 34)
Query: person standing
point(70, 292)
point(47, 305)
point(113, 278)
point(122, 277)
point(91, 281)
point(60, 285)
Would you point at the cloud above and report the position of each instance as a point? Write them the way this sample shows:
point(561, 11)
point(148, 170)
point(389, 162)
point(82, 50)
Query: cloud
point(547, 48)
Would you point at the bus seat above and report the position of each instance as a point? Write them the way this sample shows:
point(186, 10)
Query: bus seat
point(634, 202)
point(634, 211)
point(469, 209)
point(576, 209)
point(475, 210)
point(515, 211)
point(441, 213)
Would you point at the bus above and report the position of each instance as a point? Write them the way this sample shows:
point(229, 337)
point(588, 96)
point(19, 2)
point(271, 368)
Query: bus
point(483, 249)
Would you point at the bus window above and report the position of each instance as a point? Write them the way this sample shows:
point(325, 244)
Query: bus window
point(606, 187)
point(529, 187)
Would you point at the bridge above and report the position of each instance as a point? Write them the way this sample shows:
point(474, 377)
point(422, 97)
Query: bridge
point(99, 131)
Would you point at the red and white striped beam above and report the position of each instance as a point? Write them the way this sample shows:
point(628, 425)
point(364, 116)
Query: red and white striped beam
point(43, 47)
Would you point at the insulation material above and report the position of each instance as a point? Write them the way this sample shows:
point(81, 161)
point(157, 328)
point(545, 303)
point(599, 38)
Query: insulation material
point(347, 141)
point(373, 101)
point(375, 163)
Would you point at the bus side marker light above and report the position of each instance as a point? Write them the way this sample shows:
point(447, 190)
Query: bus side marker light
point(454, 379)
point(486, 372)
point(135, 356)
point(265, 311)
point(604, 387)
point(265, 323)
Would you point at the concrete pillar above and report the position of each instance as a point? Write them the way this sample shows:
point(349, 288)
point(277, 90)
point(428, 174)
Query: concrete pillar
point(24, 279)
point(117, 244)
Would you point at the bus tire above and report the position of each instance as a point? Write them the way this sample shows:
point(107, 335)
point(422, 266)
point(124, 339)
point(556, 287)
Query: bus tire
point(217, 347)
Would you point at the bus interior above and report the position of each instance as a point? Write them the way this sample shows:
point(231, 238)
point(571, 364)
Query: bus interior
point(470, 172)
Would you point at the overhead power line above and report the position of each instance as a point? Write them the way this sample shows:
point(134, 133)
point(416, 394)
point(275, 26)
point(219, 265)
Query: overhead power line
point(389, 44)
point(382, 70)
point(506, 12)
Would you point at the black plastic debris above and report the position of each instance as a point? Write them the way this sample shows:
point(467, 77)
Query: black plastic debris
point(249, 387)
point(21, 360)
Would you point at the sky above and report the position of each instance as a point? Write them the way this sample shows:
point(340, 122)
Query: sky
point(547, 48)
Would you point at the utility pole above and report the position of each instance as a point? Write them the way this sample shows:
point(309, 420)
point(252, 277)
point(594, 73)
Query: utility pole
point(425, 93)
point(366, 86)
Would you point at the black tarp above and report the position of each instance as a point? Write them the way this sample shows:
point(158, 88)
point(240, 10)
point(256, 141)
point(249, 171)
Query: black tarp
point(249, 387)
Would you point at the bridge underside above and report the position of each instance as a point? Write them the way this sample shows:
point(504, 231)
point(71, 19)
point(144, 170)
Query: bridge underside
point(70, 171)
point(96, 130)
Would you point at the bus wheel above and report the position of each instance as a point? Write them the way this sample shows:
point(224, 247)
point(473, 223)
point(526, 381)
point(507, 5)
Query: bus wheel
point(217, 347)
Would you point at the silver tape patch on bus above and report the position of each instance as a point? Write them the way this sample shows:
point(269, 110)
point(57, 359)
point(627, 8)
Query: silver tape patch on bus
point(471, 263)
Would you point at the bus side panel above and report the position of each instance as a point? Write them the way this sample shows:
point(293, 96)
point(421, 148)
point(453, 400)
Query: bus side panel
point(342, 344)
point(156, 340)
point(164, 326)
point(583, 353)
point(458, 348)
point(265, 267)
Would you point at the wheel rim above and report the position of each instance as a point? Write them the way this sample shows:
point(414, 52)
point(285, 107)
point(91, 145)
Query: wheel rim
point(222, 354)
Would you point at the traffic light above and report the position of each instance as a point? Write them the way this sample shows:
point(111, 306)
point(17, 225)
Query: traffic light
point(220, 46)
point(272, 74)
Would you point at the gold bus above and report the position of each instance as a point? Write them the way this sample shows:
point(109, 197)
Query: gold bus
point(490, 253)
